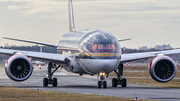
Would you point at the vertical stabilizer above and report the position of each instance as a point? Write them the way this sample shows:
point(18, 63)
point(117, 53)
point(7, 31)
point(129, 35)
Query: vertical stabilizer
point(71, 16)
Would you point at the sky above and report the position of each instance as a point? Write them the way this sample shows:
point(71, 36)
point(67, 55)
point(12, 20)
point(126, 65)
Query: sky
point(147, 22)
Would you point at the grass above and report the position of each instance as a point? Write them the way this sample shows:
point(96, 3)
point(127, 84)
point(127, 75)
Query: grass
point(175, 83)
point(18, 94)
point(150, 82)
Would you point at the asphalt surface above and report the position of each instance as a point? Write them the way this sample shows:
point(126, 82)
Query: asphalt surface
point(88, 85)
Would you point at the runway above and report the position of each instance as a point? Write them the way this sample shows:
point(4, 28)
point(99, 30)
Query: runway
point(88, 85)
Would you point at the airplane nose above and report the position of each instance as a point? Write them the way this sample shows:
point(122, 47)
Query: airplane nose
point(107, 65)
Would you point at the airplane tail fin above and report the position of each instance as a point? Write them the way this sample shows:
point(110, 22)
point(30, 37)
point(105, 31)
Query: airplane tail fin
point(71, 16)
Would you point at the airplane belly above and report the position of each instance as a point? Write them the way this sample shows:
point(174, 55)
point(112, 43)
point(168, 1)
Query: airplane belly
point(107, 65)
point(88, 65)
point(94, 66)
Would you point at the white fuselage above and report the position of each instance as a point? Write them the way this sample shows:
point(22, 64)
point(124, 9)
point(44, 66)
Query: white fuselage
point(90, 52)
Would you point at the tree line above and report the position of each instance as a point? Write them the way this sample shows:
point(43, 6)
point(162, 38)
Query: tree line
point(36, 48)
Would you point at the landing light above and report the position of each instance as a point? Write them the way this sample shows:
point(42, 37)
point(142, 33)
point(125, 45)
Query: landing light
point(102, 74)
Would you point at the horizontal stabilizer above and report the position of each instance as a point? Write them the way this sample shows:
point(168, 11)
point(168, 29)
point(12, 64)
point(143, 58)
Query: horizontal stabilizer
point(124, 39)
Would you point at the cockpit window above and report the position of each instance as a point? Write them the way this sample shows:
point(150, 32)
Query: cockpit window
point(102, 47)
point(94, 47)
point(114, 47)
point(109, 46)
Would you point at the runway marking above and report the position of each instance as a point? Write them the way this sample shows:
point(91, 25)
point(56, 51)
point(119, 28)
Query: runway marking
point(35, 72)
point(43, 73)
point(39, 72)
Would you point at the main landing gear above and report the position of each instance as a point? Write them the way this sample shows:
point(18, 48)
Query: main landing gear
point(49, 80)
point(119, 80)
point(102, 82)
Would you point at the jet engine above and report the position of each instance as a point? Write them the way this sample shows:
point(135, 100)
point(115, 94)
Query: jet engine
point(162, 68)
point(18, 67)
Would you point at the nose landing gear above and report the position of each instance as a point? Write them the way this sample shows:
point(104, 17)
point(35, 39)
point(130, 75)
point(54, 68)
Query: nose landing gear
point(102, 82)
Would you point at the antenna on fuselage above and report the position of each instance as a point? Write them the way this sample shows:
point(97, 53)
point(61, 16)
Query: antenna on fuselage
point(40, 49)
point(71, 16)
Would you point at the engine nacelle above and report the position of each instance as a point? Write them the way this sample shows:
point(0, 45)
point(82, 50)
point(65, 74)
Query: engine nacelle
point(162, 68)
point(18, 67)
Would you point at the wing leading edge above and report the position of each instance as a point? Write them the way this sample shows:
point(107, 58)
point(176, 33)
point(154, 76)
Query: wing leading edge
point(146, 55)
point(46, 57)
point(30, 41)
point(37, 42)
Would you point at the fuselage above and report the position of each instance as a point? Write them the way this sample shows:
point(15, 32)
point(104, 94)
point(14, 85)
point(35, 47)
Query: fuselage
point(90, 52)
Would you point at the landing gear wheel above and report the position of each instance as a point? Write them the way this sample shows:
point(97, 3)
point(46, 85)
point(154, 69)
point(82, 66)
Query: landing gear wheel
point(104, 84)
point(54, 82)
point(99, 84)
point(124, 83)
point(45, 82)
point(114, 82)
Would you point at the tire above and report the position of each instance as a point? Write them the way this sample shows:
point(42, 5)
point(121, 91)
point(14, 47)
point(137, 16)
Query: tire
point(104, 84)
point(114, 82)
point(124, 83)
point(54, 82)
point(99, 84)
point(45, 82)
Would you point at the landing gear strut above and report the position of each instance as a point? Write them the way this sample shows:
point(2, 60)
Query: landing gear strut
point(49, 80)
point(119, 80)
point(102, 82)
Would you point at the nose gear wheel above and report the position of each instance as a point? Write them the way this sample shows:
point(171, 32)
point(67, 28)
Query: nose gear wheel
point(102, 83)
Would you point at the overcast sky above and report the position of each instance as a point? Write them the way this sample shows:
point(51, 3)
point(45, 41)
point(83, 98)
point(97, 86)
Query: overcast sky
point(147, 22)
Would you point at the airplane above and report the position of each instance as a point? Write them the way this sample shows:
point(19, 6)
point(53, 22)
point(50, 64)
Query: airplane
point(95, 52)
point(40, 63)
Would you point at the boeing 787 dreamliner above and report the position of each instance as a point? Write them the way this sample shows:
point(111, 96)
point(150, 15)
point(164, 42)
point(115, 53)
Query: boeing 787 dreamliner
point(87, 52)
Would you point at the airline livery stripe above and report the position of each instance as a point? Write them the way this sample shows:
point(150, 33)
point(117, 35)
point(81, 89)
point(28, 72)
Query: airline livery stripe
point(104, 50)
point(101, 54)
point(65, 50)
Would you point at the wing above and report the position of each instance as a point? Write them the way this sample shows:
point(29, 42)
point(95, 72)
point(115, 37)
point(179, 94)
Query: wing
point(146, 55)
point(30, 41)
point(37, 42)
point(46, 57)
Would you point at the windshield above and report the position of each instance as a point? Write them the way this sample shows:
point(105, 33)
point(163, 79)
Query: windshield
point(97, 47)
